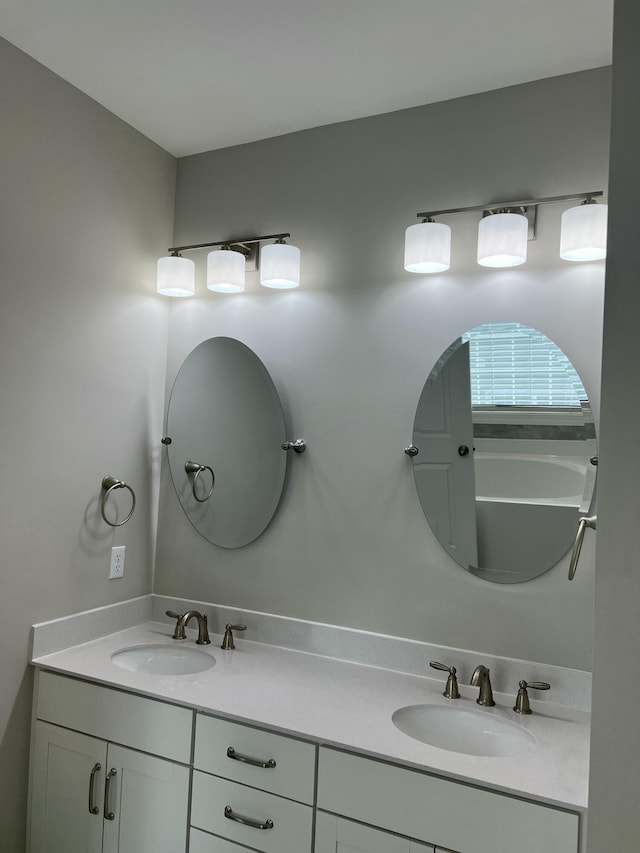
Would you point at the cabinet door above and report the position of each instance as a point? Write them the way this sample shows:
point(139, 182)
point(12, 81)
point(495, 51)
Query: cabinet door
point(67, 768)
point(337, 835)
point(148, 798)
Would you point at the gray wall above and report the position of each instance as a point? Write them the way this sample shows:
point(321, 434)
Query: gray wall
point(350, 351)
point(86, 205)
point(615, 770)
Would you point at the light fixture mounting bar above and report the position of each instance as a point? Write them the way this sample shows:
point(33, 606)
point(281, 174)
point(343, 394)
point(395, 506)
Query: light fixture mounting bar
point(234, 242)
point(510, 204)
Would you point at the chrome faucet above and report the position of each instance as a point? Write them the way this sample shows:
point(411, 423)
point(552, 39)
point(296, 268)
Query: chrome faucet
point(184, 618)
point(480, 678)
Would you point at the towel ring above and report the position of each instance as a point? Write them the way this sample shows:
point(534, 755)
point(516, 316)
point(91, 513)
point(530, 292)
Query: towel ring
point(109, 484)
point(196, 469)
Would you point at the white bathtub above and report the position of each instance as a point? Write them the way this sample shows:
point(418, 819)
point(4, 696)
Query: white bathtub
point(531, 478)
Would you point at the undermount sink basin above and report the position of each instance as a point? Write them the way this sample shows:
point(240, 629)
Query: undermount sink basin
point(466, 730)
point(163, 660)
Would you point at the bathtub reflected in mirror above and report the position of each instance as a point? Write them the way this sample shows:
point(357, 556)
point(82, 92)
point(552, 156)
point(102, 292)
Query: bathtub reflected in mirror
point(506, 452)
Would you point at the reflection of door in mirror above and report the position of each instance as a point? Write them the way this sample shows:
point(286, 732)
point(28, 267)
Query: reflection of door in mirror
point(443, 469)
point(532, 436)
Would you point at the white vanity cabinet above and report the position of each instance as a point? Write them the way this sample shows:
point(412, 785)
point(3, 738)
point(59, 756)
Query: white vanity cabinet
point(252, 788)
point(92, 789)
point(428, 809)
point(119, 772)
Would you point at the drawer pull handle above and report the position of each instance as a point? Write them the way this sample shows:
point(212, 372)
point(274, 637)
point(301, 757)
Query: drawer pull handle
point(247, 821)
point(107, 789)
point(246, 759)
point(93, 809)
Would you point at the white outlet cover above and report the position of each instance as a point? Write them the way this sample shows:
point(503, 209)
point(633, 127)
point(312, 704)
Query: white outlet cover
point(116, 567)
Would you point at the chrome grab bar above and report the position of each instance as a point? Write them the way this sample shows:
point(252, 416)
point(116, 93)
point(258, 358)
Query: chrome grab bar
point(585, 521)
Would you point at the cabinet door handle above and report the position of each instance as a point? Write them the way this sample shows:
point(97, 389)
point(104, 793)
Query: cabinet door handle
point(247, 821)
point(108, 815)
point(246, 759)
point(92, 778)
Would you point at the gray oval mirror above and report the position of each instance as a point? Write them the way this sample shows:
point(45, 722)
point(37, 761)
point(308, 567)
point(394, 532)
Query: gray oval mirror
point(227, 428)
point(506, 452)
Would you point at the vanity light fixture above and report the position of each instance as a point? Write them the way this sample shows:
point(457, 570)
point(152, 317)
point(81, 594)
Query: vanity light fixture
point(427, 247)
point(225, 270)
point(502, 239)
point(503, 233)
point(279, 267)
point(176, 275)
point(583, 233)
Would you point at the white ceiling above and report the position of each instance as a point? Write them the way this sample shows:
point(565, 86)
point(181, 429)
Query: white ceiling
point(194, 75)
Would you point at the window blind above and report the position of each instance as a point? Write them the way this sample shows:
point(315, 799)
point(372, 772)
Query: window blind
point(515, 365)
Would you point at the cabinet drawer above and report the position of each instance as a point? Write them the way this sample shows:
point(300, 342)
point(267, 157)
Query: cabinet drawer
point(202, 842)
point(124, 718)
point(447, 814)
point(292, 776)
point(292, 822)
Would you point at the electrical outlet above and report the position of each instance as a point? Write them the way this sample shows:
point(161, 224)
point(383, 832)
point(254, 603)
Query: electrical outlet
point(116, 568)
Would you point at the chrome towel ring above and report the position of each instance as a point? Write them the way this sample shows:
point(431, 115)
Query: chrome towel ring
point(109, 484)
point(196, 469)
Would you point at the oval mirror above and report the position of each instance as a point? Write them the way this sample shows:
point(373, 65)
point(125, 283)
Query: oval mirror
point(506, 452)
point(227, 428)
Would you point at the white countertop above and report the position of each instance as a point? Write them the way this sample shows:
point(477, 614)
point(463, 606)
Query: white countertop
point(347, 705)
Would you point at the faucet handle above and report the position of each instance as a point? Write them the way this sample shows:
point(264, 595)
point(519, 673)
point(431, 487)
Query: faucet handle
point(522, 699)
point(227, 642)
point(179, 633)
point(451, 690)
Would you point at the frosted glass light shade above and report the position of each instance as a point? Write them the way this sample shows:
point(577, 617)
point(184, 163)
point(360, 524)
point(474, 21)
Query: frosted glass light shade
point(225, 271)
point(583, 233)
point(502, 240)
point(427, 247)
point(280, 265)
point(176, 276)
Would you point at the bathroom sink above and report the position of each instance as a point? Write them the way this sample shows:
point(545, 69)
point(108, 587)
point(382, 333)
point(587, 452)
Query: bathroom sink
point(163, 660)
point(465, 730)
